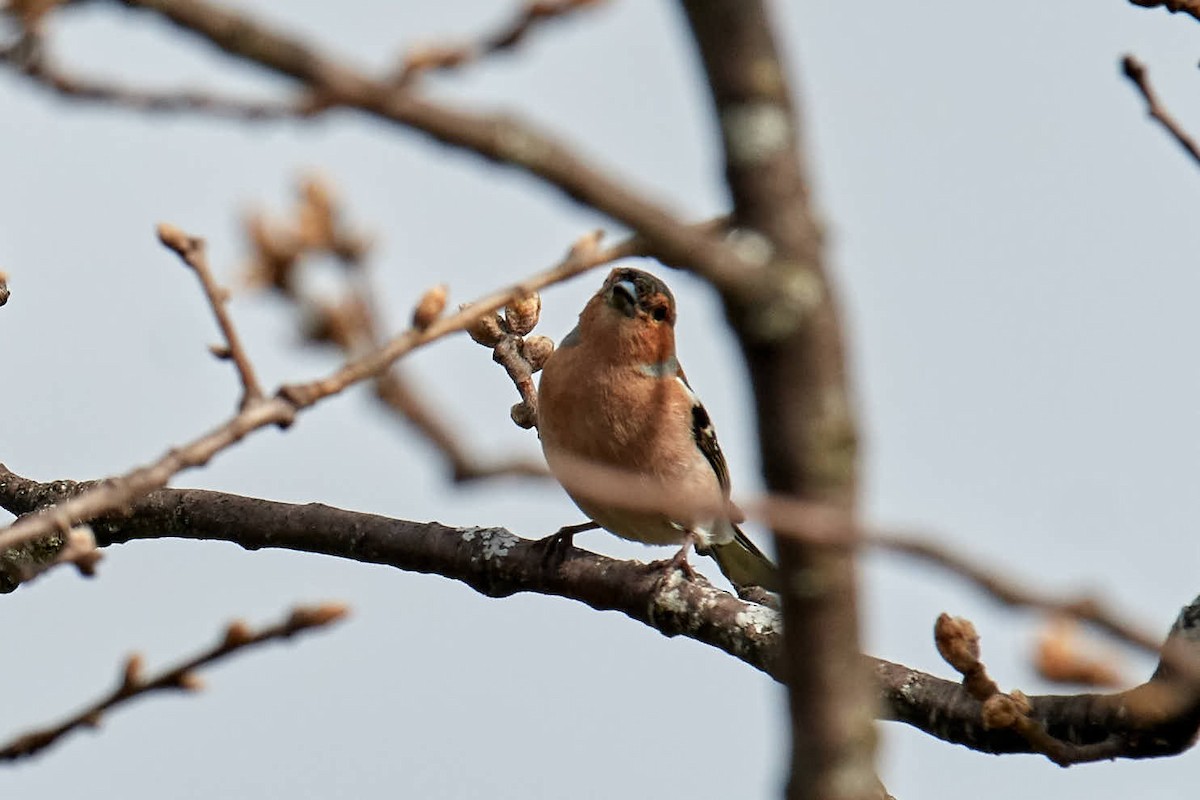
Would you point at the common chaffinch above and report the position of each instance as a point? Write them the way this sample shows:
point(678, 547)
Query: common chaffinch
point(614, 395)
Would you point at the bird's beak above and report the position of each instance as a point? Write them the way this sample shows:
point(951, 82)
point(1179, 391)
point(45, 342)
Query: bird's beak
point(623, 297)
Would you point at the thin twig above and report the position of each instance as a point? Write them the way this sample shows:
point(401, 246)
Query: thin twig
point(1136, 72)
point(533, 14)
point(1008, 591)
point(31, 60)
point(237, 636)
point(192, 251)
point(397, 392)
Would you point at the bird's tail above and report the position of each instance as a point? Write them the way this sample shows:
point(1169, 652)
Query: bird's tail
point(744, 564)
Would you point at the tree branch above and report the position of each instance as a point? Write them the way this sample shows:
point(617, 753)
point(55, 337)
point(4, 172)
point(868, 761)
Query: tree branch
point(192, 252)
point(238, 636)
point(492, 561)
point(28, 57)
point(788, 325)
point(1154, 719)
point(1136, 72)
point(533, 14)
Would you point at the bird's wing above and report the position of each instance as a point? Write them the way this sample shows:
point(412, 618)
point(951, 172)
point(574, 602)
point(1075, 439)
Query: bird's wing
point(705, 436)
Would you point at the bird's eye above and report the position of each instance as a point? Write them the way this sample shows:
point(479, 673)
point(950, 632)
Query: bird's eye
point(659, 314)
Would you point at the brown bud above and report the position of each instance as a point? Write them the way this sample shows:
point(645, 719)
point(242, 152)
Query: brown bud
point(221, 351)
point(957, 642)
point(1000, 711)
point(190, 682)
point(276, 251)
point(488, 330)
point(537, 350)
point(430, 307)
point(523, 313)
point(585, 246)
point(131, 677)
point(426, 57)
point(237, 634)
point(3, 287)
point(315, 218)
point(351, 247)
point(174, 237)
point(80, 550)
point(316, 616)
point(523, 415)
point(1062, 657)
point(344, 323)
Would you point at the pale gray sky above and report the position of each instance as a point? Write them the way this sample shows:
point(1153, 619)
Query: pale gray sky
point(1016, 250)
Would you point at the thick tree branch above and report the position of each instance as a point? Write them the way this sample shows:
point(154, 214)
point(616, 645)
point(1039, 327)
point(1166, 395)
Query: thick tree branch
point(788, 325)
point(1158, 718)
point(492, 561)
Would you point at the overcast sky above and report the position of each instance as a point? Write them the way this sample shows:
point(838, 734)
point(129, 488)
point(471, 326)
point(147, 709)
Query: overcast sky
point(1015, 244)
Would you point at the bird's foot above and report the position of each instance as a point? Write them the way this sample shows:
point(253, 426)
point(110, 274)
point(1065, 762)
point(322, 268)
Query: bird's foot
point(678, 562)
point(558, 544)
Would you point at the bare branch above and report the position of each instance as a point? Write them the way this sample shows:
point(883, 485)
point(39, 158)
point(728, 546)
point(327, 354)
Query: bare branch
point(788, 323)
point(1136, 72)
point(237, 636)
point(192, 251)
point(533, 13)
point(1158, 718)
point(397, 392)
point(29, 58)
point(490, 560)
point(990, 580)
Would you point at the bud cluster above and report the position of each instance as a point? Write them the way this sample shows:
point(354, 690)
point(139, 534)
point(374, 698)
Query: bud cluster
point(505, 334)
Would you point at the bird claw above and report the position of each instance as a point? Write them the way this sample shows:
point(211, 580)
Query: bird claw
point(558, 544)
point(679, 562)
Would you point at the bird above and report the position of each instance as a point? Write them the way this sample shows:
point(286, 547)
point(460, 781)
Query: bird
point(614, 395)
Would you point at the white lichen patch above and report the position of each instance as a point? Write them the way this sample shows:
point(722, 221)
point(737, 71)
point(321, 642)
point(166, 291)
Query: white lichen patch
point(760, 620)
point(670, 597)
point(755, 132)
point(496, 542)
point(751, 246)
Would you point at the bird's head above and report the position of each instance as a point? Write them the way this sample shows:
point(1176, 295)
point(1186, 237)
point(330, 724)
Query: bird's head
point(634, 312)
